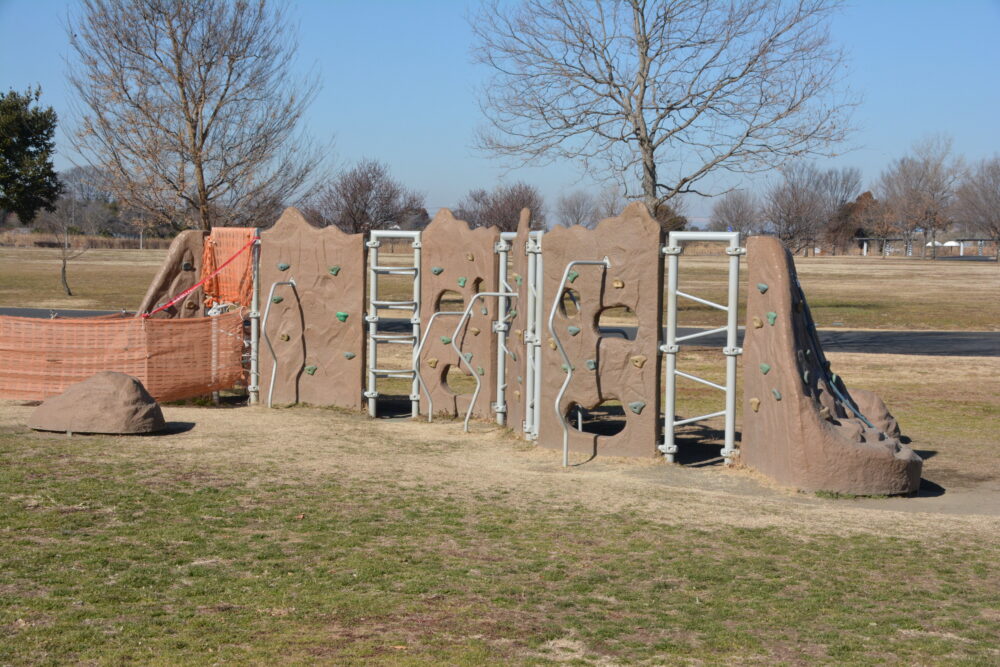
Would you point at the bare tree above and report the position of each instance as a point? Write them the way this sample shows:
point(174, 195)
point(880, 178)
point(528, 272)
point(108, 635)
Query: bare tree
point(610, 201)
point(501, 207)
point(796, 207)
point(577, 208)
point(664, 92)
point(978, 199)
point(190, 107)
point(920, 188)
point(737, 211)
point(363, 198)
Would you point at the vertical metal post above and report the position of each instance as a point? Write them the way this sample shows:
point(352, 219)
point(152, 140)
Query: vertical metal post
point(372, 319)
point(539, 318)
point(503, 326)
point(254, 389)
point(530, 329)
point(415, 327)
point(669, 447)
point(732, 351)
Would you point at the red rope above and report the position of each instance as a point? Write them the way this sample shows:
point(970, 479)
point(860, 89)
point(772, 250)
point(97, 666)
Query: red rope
point(201, 282)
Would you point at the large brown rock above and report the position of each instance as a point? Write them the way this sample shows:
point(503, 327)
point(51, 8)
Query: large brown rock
point(801, 425)
point(108, 402)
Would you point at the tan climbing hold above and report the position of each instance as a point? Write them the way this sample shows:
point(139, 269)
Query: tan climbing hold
point(518, 333)
point(755, 404)
point(618, 283)
point(638, 360)
point(432, 362)
point(469, 256)
point(475, 330)
point(552, 343)
point(757, 323)
point(824, 412)
point(517, 393)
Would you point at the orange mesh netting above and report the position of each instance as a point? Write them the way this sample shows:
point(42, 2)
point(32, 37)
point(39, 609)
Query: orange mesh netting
point(174, 359)
point(234, 284)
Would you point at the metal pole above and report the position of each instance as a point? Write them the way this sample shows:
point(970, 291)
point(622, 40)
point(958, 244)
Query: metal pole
point(371, 393)
point(669, 447)
point(503, 249)
point(418, 350)
point(530, 334)
point(732, 351)
point(254, 388)
point(415, 322)
point(539, 318)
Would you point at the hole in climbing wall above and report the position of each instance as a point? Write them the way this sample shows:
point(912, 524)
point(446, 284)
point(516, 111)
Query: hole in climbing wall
point(618, 320)
point(457, 380)
point(450, 300)
point(606, 419)
point(569, 305)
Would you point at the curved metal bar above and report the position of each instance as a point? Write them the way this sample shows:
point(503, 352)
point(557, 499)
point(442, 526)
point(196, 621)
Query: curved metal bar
point(454, 337)
point(267, 339)
point(606, 263)
point(416, 360)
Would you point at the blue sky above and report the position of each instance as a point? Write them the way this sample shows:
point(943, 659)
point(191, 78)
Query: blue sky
point(398, 85)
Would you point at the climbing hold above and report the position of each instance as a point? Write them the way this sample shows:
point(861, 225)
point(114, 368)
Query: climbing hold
point(567, 368)
point(572, 276)
point(772, 317)
point(432, 362)
point(552, 343)
point(334, 270)
point(445, 339)
point(437, 270)
point(638, 360)
point(187, 266)
point(573, 329)
point(284, 337)
point(518, 333)
point(833, 378)
point(765, 368)
point(462, 280)
point(637, 406)
point(518, 279)
point(757, 322)
point(513, 355)
point(755, 404)
point(800, 356)
point(342, 316)
point(311, 370)
point(468, 356)
point(479, 369)
point(776, 394)
point(484, 310)
point(805, 376)
point(277, 299)
point(808, 352)
point(617, 283)
point(824, 412)
point(762, 287)
point(520, 380)
point(349, 355)
point(517, 393)
point(590, 364)
point(469, 256)
point(283, 266)
point(510, 316)
point(475, 331)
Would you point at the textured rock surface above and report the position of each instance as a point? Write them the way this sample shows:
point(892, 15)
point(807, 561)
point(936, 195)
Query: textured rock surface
point(180, 270)
point(107, 402)
point(469, 265)
point(632, 242)
point(798, 427)
point(329, 270)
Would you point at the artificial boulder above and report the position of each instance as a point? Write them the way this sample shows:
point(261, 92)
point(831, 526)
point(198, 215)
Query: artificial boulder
point(108, 402)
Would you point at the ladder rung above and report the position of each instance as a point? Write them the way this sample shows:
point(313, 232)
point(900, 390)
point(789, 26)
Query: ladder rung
point(393, 304)
point(391, 372)
point(394, 338)
point(397, 270)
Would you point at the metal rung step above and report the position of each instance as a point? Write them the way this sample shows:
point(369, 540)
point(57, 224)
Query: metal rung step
point(392, 372)
point(396, 305)
point(394, 270)
point(409, 339)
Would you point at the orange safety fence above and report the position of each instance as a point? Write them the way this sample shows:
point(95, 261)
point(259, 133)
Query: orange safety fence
point(234, 283)
point(174, 359)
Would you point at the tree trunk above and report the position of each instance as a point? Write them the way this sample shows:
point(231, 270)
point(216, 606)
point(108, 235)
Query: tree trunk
point(62, 275)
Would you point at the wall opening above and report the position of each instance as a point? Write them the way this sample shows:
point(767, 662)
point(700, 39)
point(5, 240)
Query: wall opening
point(457, 380)
point(618, 320)
point(449, 300)
point(605, 419)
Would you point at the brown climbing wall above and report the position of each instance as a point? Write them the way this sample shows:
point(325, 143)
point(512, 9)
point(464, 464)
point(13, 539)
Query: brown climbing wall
point(796, 426)
point(458, 259)
point(317, 329)
point(606, 367)
point(180, 270)
point(516, 367)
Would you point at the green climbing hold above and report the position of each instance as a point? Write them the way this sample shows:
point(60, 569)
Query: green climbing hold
point(479, 369)
point(342, 316)
point(636, 406)
point(833, 378)
point(805, 376)
point(437, 270)
point(445, 339)
point(572, 276)
point(591, 364)
point(334, 270)
point(462, 280)
point(566, 368)
point(513, 356)
point(484, 310)
point(776, 394)
point(518, 279)
point(765, 368)
point(282, 266)
point(311, 370)
point(277, 299)
point(762, 287)
point(573, 329)
point(349, 355)
point(520, 380)
point(468, 356)
point(772, 317)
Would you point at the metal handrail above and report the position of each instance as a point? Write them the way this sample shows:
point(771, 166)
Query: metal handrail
point(416, 363)
point(606, 263)
point(461, 323)
point(267, 339)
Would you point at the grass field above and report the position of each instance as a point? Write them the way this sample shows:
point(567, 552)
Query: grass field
point(848, 292)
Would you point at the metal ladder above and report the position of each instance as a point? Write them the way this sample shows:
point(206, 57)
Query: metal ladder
point(411, 306)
